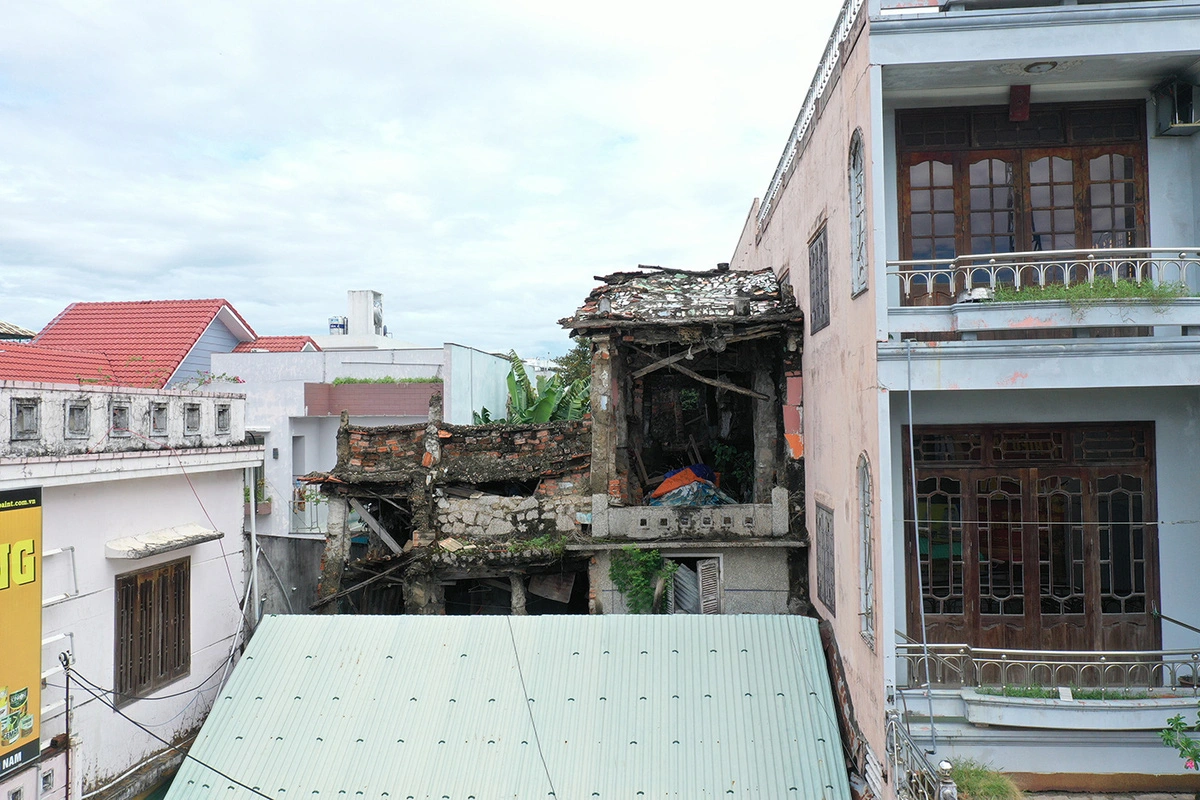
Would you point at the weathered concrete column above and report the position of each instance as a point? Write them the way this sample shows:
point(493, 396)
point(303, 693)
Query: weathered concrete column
point(517, 582)
point(433, 442)
point(337, 550)
point(767, 426)
point(423, 595)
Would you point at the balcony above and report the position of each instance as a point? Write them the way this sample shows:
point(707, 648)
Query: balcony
point(1117, 292)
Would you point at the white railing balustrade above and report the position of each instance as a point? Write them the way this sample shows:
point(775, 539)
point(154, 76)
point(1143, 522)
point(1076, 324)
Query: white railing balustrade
point(959, 665)
point(910, 771)
point(943, 281)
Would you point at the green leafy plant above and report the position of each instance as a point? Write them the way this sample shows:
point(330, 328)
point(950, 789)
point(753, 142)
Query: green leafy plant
point(978, 781)
point(1051, 693)
point(1176, 735)
point(1079, 295)
point(576, 363)
point(260, 492)
point(636, 572)
point(734, 464)
point(546, 400)
point(555, 545)
point(384, 379)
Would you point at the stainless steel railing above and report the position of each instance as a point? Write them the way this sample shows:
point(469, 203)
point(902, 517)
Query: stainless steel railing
point(939, 281)
point(958, 665)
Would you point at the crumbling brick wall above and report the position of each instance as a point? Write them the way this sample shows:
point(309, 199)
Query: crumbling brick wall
point(450, 475)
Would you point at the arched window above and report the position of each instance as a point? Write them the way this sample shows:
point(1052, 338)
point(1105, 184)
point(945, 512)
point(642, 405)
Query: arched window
point(858, 215)
point(866, 611)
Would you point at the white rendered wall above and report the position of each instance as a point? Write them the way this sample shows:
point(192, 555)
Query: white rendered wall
point(85, 517)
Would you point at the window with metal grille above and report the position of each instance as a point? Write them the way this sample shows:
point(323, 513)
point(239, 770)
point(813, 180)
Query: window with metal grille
point(26, 415)
point(159, 418)
point(191, 419)
point(119, 418)
point(224, 418)
point(153, 641)
point(866, 610)
point(78, 415)
point(825, 573)
point(858, 216)
point(818, 282)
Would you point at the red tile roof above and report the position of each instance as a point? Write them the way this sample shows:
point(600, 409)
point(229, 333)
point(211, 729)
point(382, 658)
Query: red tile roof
point(26, 362)
point(277, 344)
point(144, 341)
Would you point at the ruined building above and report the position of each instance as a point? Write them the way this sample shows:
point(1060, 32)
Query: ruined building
point(684, 453)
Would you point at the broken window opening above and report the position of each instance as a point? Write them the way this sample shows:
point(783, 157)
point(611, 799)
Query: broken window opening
point(695, 588)
point(681, 423)
point(545, 594)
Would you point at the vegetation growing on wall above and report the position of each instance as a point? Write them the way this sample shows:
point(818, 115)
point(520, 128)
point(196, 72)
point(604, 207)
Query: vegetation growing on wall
point(976, 781)
point(384, 379)
point(636, 574)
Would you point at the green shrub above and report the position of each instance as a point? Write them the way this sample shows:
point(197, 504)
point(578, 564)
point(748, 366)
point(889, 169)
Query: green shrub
point(384, 379)
point(977, 781)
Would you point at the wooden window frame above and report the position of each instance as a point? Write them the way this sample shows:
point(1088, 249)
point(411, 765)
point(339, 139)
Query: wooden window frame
point(1036, 628)
point(826, 566)
point(1078, 149)
point(866, 556)
point(818, 281)
point(152, 629)
point(857, 174)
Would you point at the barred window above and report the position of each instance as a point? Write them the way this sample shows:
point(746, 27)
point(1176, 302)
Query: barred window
point(26, 418)
point(818, 282)
point(866, 610)
point(858, 216)
point(825, 573)
point(153, 641)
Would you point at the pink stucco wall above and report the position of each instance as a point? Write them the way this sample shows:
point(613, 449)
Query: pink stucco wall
point(840, 399)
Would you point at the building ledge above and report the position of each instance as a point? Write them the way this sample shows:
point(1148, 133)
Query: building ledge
point(144, 545)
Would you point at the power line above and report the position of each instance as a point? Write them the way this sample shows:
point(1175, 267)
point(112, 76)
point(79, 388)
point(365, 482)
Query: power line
point(84, 683)
point(529, 706)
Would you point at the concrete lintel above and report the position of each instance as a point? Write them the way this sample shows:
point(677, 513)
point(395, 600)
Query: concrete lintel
point(144, 545)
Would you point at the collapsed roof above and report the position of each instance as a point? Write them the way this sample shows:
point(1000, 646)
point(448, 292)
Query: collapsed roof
point(661, 296)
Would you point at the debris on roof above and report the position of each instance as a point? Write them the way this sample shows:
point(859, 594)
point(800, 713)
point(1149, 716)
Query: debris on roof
point(669, 296)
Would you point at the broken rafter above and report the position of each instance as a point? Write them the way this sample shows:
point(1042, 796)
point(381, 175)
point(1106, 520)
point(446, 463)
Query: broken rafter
point(719, 384)
point(700, 348)
point(374, 525)
point(324, 601)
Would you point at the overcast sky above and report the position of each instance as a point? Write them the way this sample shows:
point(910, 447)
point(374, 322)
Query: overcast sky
point(476, 162)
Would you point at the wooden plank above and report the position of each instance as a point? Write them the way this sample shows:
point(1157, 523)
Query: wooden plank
point(696, 376)
point(374, 525)
point(700, 348)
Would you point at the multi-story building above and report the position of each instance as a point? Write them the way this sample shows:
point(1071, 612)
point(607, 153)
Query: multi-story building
point(990, 213)
point(120, 527)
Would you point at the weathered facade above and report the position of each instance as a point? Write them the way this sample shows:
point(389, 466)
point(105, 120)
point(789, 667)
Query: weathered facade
point(687, 372)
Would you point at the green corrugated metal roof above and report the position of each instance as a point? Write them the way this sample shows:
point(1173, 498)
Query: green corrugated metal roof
point(416, 707)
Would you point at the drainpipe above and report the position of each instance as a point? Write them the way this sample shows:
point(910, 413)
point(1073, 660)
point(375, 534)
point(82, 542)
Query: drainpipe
point(257, 603)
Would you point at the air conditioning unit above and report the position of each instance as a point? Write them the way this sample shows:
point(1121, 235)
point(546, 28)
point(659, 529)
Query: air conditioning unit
point(1178, 114)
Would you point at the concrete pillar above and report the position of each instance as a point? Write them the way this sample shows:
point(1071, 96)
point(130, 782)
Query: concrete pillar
point(517, 582)
point(337, 551)
point(767, 426)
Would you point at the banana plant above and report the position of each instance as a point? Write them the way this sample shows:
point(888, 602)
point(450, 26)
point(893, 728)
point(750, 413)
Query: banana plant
point(543, 400)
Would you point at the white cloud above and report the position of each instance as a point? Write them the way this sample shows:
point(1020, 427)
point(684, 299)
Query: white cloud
point(476, 162)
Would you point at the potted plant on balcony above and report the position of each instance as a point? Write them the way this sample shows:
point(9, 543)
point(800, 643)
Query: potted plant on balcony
point(262, 503)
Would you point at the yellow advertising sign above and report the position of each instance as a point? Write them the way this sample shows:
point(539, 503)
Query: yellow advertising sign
point(21, 625)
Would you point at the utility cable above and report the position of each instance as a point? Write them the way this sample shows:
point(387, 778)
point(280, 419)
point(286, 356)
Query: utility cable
point(912, 455)
point(529, 706)
point(192, 486)
point(85, 684)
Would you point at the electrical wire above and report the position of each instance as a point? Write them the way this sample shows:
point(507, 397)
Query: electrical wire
point(192, 486)
point(529, 706)
point(86, 684)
